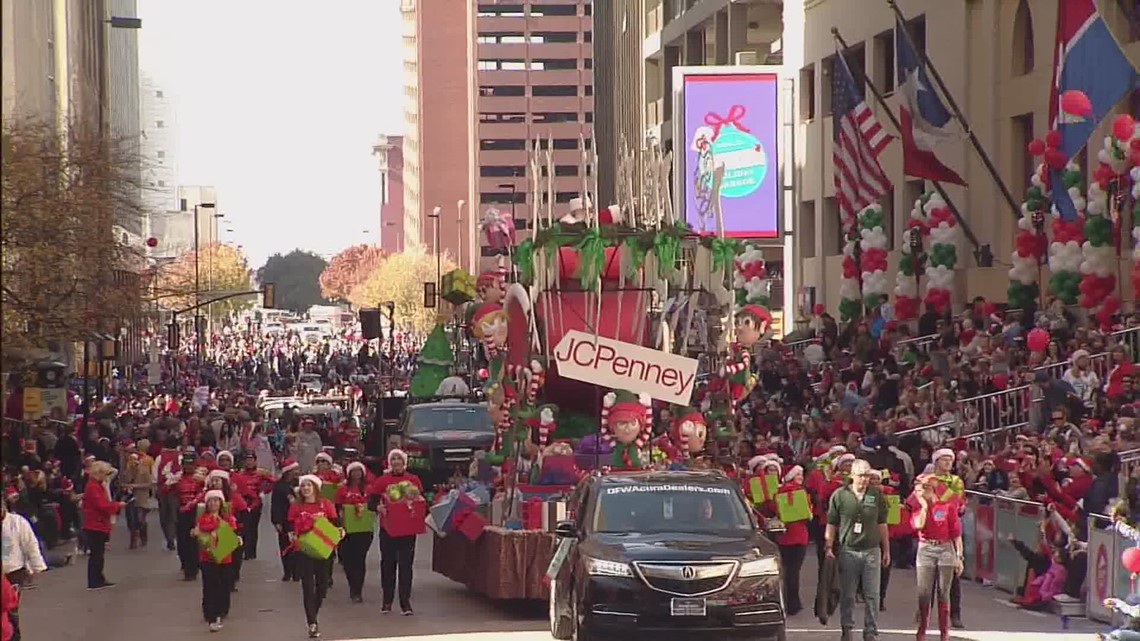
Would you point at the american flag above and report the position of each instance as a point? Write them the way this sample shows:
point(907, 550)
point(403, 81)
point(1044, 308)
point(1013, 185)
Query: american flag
point(859, 139)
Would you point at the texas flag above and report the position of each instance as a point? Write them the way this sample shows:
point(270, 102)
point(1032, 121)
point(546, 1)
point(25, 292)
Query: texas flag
point(1091, 74)
point(924, 118)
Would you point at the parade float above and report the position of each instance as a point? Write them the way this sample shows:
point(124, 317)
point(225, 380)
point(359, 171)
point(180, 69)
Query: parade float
point(602, 323)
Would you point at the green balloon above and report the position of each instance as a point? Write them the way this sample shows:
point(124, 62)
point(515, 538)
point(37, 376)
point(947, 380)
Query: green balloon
point(1034, 192)
point(1071, 179)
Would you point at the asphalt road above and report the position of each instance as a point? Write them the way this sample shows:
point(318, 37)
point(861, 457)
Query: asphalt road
point(152, 603)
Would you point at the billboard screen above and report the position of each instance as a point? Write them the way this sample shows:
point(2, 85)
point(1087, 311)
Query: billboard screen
point(731, 121)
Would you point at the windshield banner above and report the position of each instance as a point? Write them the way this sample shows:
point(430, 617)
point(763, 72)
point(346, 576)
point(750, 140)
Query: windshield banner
point(669, 487)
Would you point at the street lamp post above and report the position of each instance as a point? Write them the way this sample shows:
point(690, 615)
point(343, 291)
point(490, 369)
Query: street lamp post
point(198, 281)
point(459, 229)
point(436, 213)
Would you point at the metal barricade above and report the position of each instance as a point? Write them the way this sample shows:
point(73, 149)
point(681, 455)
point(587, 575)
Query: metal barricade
point(920, 343)
point(798, 347)
point(1129, 337)
point(986, 526)
point(943, 427)
point(987, 414)
point(1099, 363)
point(1107, 576)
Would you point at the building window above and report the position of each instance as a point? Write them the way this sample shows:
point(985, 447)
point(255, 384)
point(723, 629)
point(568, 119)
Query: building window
point(162, 183)
point(502, 90)
point(589, 90)
point(856, 57)
point(588, 63)
point(807, 93)
point(553, 10)
point(917, 30)
point(1024, 162)
point(554, 116)
point(805, 229)
point(557, 64)
point(589, 116)
point(565, 196)
point(158, 93)
point(554, 36)
point(587, 36)
point(502, 145)
point(562, 170)
point(501, 171)
point(827, 66)
point(159, 124)
point(887, 202)
point(554, 90)
point(832, 230)
point(884, 55)
point(502, 197)
point(501, 10)
point(1022, 40)
point(161, 153)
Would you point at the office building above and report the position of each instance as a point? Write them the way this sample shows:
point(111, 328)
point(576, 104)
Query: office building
point(389, 152)
point(158, 150)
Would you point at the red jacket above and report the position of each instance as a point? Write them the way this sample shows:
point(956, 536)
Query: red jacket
point(166, 464)
point(322, 506)
point(251, 484)
point(9, 601)
point(188, 489)
point(207, 525)
point(98, 508)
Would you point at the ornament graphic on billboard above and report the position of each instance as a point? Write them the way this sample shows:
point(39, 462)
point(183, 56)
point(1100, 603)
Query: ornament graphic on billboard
point(725, 141)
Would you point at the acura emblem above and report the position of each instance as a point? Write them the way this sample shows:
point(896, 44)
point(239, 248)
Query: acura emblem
point(688, 573)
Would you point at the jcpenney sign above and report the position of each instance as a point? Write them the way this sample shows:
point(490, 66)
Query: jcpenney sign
point(614, 364)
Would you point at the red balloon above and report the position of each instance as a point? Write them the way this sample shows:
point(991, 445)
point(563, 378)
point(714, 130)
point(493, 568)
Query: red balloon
point(152, 242)
point(1053, 139)
point(819, 309)
point(1131, 559)
point(1075, 102)
point(1123, 126)
point(1001, 380)
point(1038, 339)
point(1036, 147)
point(1055, 159)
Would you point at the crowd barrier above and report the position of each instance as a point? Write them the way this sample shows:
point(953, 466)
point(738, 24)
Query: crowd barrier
point(1107, 576)
point(920, 343)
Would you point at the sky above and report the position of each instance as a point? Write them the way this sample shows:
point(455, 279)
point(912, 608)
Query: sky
point(277, 104)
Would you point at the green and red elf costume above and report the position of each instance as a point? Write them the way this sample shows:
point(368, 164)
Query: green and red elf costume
point(626, 423)
point(752, 323)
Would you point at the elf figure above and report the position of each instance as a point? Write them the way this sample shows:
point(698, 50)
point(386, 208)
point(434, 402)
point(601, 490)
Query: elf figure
point(626, 422)
point(687, 436)
point(752, 323)
point(544, 424)
point(501, 400)
point(489, 286)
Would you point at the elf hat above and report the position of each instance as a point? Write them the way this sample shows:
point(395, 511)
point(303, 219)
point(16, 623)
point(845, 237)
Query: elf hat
point(324, 456)
point(218, 474)
point(311, 478)
point(355, 465)
point(484, 311)
point(755, 311)
point(841, 459)
point(225, 454)
point(215, 494)
point(796, 471)
point(486, 279)
point(290, 464)
point(622, 405)
point(941, 453)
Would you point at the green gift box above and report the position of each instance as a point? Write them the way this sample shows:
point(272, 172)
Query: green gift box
point(894, 509)
point(321, 541)
point(458, 287)
point(358, 518)
point(763, 488)
point(793, 506)
point(328, 490)
point(220, 543)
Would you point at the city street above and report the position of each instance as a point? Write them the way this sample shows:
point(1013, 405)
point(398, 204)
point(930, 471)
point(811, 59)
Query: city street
point(151, 603)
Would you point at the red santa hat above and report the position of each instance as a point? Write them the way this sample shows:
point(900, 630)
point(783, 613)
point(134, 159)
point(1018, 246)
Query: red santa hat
point(225, 454)
point(841, 459)
point(215, 494)
point(795, 471)
point(355, 465)
point(311, 478)
point(324, 456)
point(941, 453)
point(289, 465)
point(756, 461)
point(622, 405)
point(218, 474)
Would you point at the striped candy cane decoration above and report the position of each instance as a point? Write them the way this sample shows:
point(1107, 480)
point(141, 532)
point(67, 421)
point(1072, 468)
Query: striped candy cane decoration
point(607, 402)
point(545, 426)
point(537, 380)
point(647, 424)
point(739, 364)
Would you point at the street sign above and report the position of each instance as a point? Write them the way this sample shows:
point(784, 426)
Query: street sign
point(617, 365)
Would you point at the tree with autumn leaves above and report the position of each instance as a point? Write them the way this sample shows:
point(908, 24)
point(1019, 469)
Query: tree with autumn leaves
point(400, 278)
point(65, 272)
point(348, 269)
point(222, 270)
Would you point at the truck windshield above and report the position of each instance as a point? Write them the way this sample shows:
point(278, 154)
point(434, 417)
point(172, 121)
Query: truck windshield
point(659, 508)
point(470, 418)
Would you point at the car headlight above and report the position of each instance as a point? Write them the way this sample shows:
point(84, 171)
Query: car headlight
point(599, 567)
point(759, 567)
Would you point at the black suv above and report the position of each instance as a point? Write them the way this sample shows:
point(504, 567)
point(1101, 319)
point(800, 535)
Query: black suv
point(671, 552)
point(441, 438)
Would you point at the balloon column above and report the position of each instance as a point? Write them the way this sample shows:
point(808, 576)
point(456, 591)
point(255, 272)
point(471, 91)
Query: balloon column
point(1065, 254)
point(873, 257)
point(1029, 243)
point(1098, 283)
point(750, 277)
point(911, 263)
point(1136, 231)
point(850, 304)
point(944, 234)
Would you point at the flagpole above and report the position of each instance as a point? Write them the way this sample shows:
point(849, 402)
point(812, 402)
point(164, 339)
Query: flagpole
point(921, 53)
point(898, 127)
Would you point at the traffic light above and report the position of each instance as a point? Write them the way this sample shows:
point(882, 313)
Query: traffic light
point(172, 336)
point(268, 296)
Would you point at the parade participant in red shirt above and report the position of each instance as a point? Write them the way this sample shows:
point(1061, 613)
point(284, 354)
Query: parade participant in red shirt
point(793, 543)
point(939, 552)
point(314, 572)
point(251, 483)
point(98, 518)
point(396, 552)
point(187, 489)
point(353, 495)
point(217, 575)
point(167, 471)
point(325, 471)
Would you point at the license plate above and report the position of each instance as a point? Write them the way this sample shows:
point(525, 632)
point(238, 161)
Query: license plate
point(688, 608)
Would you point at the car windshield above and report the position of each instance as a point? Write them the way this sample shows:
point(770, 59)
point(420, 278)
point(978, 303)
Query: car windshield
point(658, 508)
point(471, 418)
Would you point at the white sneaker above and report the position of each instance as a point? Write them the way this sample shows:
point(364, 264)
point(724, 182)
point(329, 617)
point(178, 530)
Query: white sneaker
point(218, 622)
point(314, 633)
point(215, 626)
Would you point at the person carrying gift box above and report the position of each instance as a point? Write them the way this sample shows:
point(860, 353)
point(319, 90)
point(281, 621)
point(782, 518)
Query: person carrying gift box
point(794, 540)
point(233, 505)
point(397, 553)
point(310, 507)
point(359, 522)
point(216, 531)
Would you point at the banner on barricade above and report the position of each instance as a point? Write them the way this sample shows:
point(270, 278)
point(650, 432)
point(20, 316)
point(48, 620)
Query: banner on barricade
point(984, 542)
point(1009, 567)
point(1102, 572)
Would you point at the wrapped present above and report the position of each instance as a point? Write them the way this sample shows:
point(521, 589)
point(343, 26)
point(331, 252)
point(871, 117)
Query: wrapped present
point(458, 287)
point(552, 513)
point(558, 470)
point(498, 227)
point(318, 539)
point(444, 512)
point(530, 513)
point(894, 509)
point(328, 490)
point(220, 542)
point(793, 506)
point(471, 525)
point(405, 518)
point(762, 488)
point(358, 518)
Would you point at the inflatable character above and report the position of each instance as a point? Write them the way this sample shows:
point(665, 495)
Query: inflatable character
point(626, 422)
point(489, 286)
point(752, 323)
point(687, 436)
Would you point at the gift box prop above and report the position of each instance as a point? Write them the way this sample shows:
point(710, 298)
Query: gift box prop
point(626, 420)
point(451, 506)
point(328, 490)
point(317, 537)
point(219, 542)
point(458, 287)
point(762, 489)
point(894, 509)
point(405, 517)
point(358, 518)
point(498, 228)
point(471, 525)
point(558, 465)
point(793, 506)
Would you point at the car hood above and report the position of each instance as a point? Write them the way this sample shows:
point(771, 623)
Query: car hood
point(453, 438)
point(675, 547)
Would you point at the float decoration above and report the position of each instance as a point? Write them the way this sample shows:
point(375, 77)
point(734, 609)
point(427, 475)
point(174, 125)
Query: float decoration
point(873, 255)
point(750, 277)
point(626, 423)
point(1116, 164)
point(1029, 242)
point(1065, 252)
point(944, 234)
point(850, 305)
point(910, 264)
point(1135, 173)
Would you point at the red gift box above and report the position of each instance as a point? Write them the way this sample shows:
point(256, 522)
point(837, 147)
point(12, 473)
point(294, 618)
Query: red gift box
point(531, 513)
point(471, 525)
point(405, 518)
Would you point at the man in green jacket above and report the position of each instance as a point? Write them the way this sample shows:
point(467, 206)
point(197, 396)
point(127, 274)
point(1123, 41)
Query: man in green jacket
point(857, 536)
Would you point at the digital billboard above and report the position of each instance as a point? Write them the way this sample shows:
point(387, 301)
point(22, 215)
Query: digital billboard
point(730, 122)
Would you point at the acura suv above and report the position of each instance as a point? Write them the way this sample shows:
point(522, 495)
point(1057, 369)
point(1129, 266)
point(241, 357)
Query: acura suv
point(674, 553)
